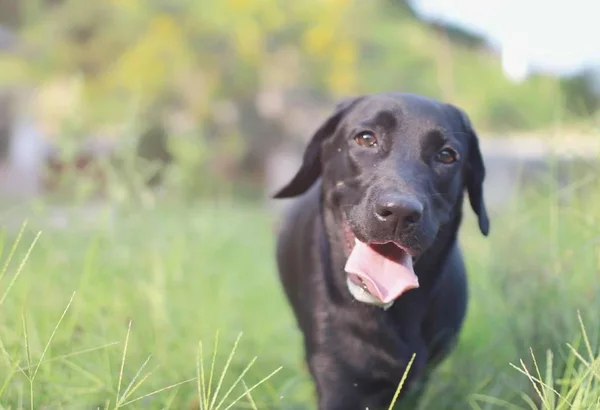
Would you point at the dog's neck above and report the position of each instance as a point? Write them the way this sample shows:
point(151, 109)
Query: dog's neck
point(331, 247)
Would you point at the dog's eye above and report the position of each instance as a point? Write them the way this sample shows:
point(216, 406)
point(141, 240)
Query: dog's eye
point(366, 139)
point(447, 156)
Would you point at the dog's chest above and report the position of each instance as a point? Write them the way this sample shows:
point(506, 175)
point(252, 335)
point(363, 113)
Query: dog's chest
point(383, 345)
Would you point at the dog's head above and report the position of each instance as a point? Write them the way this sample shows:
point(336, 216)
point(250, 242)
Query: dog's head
point(394, 169)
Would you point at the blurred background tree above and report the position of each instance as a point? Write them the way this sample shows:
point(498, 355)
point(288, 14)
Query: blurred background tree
point(233, 79)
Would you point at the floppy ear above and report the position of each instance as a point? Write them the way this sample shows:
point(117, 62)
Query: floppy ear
point(310, 170)
point(475, 175)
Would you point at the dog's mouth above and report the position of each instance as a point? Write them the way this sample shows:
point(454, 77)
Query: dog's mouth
point(378, 274)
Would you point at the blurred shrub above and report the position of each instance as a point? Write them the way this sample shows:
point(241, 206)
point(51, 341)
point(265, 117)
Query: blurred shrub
point(203, 66)
point(134, 54)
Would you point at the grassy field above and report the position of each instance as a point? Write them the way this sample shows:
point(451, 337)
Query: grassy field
point(126, 312)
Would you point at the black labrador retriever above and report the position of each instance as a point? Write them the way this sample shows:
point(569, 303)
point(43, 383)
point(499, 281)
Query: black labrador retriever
point(368, 255)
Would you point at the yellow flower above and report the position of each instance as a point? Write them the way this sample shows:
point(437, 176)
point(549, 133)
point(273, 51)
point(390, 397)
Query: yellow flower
point(344, 54)
point(129, 5)
point(342, 80)
point(318, 39)
point(239, 5)
point(248, 40)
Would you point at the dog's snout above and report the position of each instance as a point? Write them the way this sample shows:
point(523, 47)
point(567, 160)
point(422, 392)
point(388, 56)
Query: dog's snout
point(398, 211)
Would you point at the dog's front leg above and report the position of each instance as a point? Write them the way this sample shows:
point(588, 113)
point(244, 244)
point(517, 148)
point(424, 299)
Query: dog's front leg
point(334, 390)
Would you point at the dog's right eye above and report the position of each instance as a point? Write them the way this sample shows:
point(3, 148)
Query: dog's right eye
point(366, 139)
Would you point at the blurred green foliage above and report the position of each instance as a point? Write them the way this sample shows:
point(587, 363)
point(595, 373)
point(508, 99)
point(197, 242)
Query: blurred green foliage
point(136, 54)
point(149, 62)
point(133, 53)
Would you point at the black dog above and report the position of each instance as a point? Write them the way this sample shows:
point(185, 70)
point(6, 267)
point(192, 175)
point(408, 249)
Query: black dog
point(368, 257)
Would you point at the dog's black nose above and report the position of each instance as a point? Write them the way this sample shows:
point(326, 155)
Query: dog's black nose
point(398, 210)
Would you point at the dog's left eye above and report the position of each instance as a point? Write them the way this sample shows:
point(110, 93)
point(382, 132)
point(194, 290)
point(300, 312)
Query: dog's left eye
point(366, 139)
point(447, 156)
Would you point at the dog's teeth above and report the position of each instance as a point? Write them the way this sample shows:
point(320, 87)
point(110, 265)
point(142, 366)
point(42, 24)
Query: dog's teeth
point(363, 285)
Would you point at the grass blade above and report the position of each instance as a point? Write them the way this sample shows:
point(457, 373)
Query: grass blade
point(52, 335)
point(133, 380)
point(123, 364)
point(224, 372)
point(261, 381)
point(200, 377)
point(212, 369)
point(19, 269)
point(404, 376)
point(158, 391)
point(252, 403)
point(234, 384)
point(12, 251)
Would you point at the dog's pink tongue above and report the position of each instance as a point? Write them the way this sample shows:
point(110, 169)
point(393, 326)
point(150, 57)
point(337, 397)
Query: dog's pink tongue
point(386, 278)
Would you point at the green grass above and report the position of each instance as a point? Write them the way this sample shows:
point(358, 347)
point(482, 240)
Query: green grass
point(178, 307)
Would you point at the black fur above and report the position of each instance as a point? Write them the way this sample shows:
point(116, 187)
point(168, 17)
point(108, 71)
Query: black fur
point(356, 352)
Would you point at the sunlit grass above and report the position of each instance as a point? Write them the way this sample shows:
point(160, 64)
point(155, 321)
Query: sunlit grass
point(209, 399)
point(577, 387)
point(109, 316)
